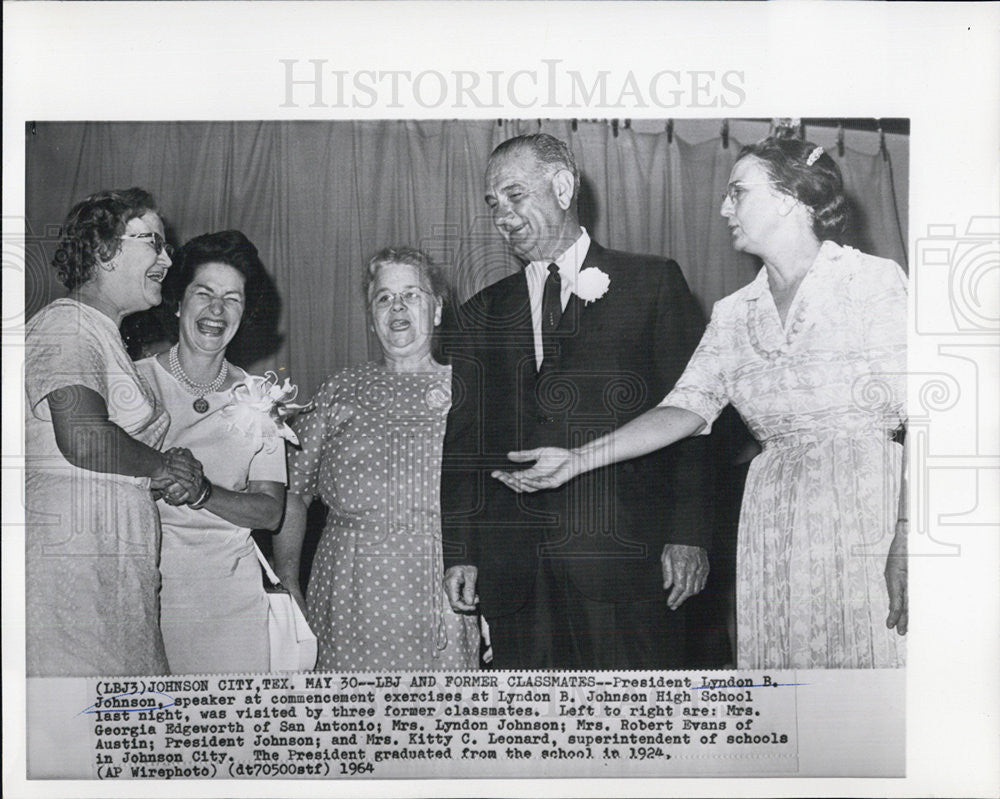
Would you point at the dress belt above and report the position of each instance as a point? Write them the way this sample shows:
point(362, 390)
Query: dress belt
point(798, 438)
point(371, 525)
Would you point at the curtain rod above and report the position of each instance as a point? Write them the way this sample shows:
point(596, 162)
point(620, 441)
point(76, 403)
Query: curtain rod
point(898, 125)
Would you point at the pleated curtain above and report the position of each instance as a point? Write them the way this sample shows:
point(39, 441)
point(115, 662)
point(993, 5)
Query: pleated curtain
point(318, 198)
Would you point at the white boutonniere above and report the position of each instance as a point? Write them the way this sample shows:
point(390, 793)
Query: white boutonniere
point(592, 284)
point(259, 406)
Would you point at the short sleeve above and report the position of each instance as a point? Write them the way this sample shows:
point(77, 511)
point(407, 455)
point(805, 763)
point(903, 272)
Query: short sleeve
point(883, 302)
point(312, 429)
point(269, 463)
point(701, 389)
point(61, 351)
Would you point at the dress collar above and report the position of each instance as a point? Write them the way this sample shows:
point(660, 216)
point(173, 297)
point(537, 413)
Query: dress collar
point(829, 252)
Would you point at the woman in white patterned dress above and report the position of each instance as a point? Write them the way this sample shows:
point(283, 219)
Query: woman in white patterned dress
point(371, 450)
point(92, 432)
point(812, 354)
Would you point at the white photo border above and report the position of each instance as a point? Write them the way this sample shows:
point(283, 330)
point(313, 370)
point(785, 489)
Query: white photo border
point(932, 63)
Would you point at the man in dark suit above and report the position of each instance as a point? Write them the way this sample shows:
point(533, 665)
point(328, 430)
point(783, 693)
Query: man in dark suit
point(591, 575)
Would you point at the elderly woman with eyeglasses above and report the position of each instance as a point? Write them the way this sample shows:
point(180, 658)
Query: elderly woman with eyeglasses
point(92, 431)
point(371, 450)
point(813, 356)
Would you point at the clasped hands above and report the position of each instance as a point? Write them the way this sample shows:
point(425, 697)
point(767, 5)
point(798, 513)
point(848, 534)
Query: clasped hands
point(179, 480)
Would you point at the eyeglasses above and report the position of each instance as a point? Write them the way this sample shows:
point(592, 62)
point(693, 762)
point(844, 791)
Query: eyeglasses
point(386, 299)
point(155, 239)
point(736, 189)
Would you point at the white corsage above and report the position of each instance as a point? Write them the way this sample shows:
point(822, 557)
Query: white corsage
point(259, 406)
point(592, 284)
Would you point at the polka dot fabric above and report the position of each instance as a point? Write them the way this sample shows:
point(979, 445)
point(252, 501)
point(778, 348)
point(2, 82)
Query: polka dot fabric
point(371, 450)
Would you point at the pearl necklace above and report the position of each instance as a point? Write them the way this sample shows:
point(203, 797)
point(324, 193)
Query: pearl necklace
point(198, 389)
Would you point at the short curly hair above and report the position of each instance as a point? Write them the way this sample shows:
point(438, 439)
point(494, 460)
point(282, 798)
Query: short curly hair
point(432, 272)
point(93, 232)
point(819, 186)
point(230, 247)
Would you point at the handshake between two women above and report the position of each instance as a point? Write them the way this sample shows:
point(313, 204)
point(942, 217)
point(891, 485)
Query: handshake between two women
point(180, 480)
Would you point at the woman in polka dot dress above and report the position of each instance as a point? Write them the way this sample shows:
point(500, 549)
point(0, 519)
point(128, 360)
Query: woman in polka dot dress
point(371, 450)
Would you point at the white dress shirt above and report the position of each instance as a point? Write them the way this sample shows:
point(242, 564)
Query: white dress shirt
point(537, 272)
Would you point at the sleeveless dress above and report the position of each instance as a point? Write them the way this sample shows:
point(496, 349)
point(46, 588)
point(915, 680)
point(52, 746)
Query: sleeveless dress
point(213, 604)
point(371, 450)
point(823, 395)
point(92, 539)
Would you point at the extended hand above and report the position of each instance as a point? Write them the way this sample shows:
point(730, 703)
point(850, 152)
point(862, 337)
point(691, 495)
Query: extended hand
point(553, 467)
point(685, 570)
point(895, 580)
point(460, 586)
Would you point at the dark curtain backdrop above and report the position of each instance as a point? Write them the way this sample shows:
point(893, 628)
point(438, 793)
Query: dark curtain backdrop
point(318, 198)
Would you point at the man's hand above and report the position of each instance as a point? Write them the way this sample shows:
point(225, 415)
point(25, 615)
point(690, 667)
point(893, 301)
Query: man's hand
point(895, 580)
point(460, 586)
point(552, 468)
point(685, 570)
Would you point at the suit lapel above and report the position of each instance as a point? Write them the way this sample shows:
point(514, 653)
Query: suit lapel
point(511, 335)
point(512, 308)
point(511, 313)
point(576, 314)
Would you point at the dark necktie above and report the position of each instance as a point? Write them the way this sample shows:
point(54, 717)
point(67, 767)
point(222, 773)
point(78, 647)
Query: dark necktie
point(551, 312)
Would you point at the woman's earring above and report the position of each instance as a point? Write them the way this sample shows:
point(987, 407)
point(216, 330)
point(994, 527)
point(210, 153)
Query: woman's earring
point(111, 264)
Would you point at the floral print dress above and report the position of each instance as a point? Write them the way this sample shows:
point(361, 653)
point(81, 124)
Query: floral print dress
point(823, 394)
